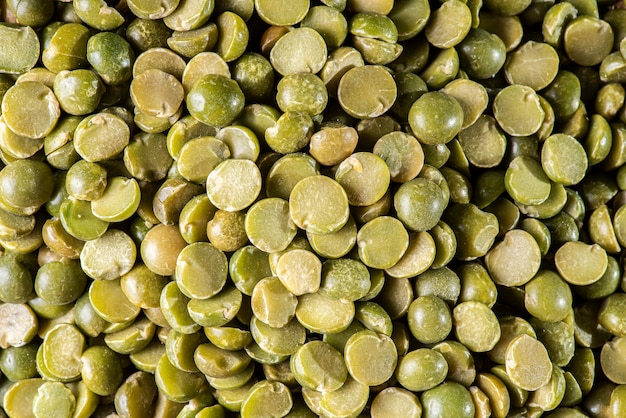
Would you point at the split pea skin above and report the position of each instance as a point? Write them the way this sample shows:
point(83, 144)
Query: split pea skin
point(337, 208)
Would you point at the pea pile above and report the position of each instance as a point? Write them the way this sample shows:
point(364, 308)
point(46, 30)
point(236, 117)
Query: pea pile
point(300, 208)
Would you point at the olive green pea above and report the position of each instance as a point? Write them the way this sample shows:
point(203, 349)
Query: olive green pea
point(429, 319)
point(16, 282)
point(29, 48)
point(329, 22)
point(111, 56)
point(60, 282)
point(475, 230)
point(515, 260)
point(476, 326)
point(302, 92)
point(25, 185)
point(324, 314)
point(419, 204)
point(101, 370)
point(78, 91)
point(67, 48)
point(421, 369)
point(101, 136)
point(403, 155)
point(160, 58)
point(177, 385)
point(136, 396)
point(319, 204)
point(533, 52)
point(97, 14)
point(563, 94)
point(435, 127)
point(160, 249)
point(202, 105)
point(147, 9)
point(612, 361)
point(201, 270)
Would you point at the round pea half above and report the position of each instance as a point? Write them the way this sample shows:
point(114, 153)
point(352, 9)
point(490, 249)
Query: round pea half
point(518, 110)
point(203, 105)
point(579, 263)
point(234, 184)
point(357, 352)
point(319, 204)
point(318, 366)
point(522, 350)
point(435, 118)
point(368, 78)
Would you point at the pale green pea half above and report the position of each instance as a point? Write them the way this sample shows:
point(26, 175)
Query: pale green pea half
point(272, 303)
point(13, 36)
point(349, 400)
point(56, 398)
point(319, 204)
point(514, 260)
point(526, 182)
point(368, 78)
point(267, 397)
point(217, 310)
point(519, 352)
point(199, 156)
point(580, 263)
point(110, 302)
point(563, 159)
point(336, 244)
point(382, 242)
point(300, 50)
point(234, 184)
point(419, 256)
point(282, 341)
point(201, 270)
point(173, 305)
point(358, 350)
point(518, 110)
point(119, 201)
point(300, 271)
point(286, 172)
point(109, 256)
point(38, 118)
point(394, 401)
point(318, 366)
point(61, 351)
point(269, 225)
point(476, 326)
point(101, 136)
point(320, 313)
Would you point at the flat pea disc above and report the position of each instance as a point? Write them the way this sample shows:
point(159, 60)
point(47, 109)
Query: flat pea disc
point(234, 184)
point(580, 263)
point(367, 91)
point(527, 362)
point(319, 204)
point(38, 118)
